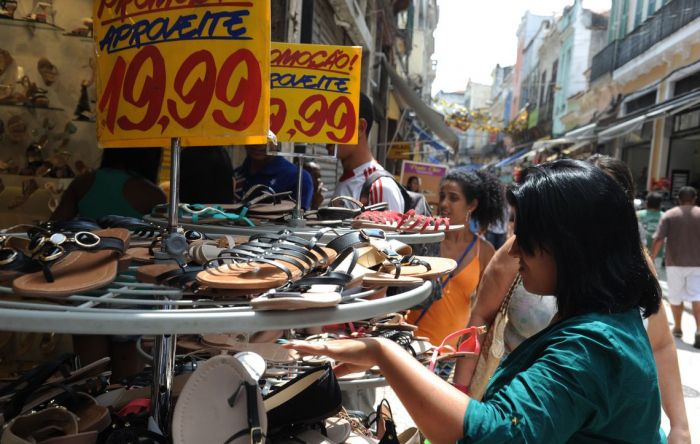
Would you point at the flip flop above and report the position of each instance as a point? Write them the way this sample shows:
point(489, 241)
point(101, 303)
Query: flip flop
point(75, 263)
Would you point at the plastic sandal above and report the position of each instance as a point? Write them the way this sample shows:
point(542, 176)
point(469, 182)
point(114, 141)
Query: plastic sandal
point(469, 347)
point(409, 222)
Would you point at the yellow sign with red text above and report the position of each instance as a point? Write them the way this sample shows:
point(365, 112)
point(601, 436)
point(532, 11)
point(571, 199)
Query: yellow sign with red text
point(315, 92)
point(194, 69)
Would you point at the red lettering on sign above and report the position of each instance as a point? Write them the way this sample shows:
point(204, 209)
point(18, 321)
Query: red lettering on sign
point(201, 92)
point(248, 90)
point(152, 91)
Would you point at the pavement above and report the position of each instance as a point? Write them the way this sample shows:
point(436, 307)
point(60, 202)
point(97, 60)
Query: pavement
point(688, 359)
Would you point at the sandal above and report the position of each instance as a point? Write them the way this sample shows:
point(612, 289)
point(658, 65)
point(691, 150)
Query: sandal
point(469, 347)
point(202, 214)
point(263, 201)
point(267, 261)
point(47, 70)
point(409, 222)
point(335, 211)
point(73, 263)
point(220, 403)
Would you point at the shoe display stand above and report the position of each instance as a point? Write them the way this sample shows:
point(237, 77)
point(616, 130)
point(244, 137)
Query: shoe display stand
point(127, 306)
point(144, 309)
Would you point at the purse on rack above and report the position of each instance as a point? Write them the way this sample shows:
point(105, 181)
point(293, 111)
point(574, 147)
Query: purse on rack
point(492, 348)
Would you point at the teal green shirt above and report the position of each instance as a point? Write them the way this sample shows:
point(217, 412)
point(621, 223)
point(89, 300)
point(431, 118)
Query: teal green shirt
point(590, 378)
point(106, 196)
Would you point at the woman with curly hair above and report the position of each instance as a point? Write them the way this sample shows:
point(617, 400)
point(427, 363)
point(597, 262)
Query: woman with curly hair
point(463, 195)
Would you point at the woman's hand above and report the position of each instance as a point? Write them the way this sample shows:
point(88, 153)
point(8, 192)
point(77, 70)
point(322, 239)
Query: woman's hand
point(360, 353)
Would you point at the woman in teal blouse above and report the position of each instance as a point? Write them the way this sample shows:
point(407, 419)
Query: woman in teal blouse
point(589, 376)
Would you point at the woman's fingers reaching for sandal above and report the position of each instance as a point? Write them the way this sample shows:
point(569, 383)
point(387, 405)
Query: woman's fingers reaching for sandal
point(360, 352)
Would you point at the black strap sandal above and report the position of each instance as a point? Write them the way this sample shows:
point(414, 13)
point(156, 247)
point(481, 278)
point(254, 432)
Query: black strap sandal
point(254, 428)
point(49, 251)
point(336, 211)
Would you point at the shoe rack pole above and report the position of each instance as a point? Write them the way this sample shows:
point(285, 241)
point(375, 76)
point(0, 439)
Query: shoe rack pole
point(174, 184)
point(164, 345)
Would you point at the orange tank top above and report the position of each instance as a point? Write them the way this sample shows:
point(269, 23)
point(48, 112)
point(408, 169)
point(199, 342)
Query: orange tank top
point(451, 312)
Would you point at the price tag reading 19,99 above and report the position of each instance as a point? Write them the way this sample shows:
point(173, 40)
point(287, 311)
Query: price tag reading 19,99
point(315, 91)
point(193, 69)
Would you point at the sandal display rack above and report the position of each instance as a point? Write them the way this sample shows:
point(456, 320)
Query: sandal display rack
point(127, 305)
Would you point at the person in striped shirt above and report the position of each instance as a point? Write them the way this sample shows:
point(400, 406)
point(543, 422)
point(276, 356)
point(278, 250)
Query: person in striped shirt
point(358, 164)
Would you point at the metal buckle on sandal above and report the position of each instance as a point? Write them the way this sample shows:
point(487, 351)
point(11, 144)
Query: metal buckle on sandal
point(256, 435)
point(36, 243)
point(83, 239)
point(376, 233)
point(7, 255)
point(51, 253)
point(193, 235)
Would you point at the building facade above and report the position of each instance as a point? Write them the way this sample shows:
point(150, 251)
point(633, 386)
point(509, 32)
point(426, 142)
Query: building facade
point(653, 62)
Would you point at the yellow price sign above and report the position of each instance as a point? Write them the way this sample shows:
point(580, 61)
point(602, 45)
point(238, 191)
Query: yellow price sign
point(314, 92)
point(194, 69)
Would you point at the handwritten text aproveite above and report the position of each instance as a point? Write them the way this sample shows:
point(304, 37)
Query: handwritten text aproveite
point(314, 92)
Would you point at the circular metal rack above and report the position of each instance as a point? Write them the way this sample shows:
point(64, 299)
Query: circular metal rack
point(129, 306)
point(307, 231)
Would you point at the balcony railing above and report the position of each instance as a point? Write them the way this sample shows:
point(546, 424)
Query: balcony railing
point(667, 20)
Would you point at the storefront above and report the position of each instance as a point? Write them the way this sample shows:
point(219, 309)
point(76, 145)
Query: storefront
point(684, 151)
point(635, 149)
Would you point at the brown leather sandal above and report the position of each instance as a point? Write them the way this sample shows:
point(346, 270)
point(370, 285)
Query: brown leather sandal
point(73, 263)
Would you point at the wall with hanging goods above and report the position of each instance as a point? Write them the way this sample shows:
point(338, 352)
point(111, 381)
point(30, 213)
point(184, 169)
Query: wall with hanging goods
point(47, 101)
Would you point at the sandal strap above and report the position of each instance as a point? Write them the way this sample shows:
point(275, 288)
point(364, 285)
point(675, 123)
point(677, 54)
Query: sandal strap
point(62, 249)
point(254, 428)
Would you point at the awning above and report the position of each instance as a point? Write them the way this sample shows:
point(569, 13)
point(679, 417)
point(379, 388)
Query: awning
point(622, 129)
point(431, 118)
point(575, 149)
point(629, 124)
point(428, 138)
point(513, 158)
point(543, 144)
point(583, 132)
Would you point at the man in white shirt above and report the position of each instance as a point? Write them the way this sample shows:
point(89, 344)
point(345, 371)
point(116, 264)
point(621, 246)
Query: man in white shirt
point(358, 164)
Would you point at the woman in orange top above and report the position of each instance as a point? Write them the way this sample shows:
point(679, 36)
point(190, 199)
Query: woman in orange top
point(463, 195)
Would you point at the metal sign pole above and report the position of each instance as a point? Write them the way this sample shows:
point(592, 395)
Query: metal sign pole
point(173, 246)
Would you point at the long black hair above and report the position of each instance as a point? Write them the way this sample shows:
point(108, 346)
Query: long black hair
point(581, 216)
point(483, 186)
point(143, 162)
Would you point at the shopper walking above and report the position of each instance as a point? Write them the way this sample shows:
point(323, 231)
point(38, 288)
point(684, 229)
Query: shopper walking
point(464, 195)
point(680, 228)
point(358, 164)
point(651, 216)
point(587, 377)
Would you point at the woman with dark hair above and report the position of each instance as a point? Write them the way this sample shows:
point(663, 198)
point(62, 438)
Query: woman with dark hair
point(529, 314)
point(125, 185)
point(463, 195)
point(587, 377)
